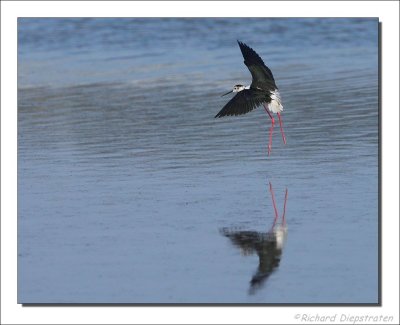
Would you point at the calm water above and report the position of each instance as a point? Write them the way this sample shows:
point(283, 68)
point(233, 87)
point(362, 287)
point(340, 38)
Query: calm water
point(129, 191)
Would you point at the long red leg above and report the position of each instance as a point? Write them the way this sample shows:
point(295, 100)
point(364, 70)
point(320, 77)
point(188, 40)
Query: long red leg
point(270, 116)
point(270, 130)
point(280, 124)
point(273, 202)
point(284, 209)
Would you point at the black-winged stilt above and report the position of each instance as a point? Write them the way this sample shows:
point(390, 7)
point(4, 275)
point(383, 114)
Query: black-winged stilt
point(262, 91)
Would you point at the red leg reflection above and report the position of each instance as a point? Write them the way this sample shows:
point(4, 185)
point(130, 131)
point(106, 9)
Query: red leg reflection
point(284, 209)
point(273, 202)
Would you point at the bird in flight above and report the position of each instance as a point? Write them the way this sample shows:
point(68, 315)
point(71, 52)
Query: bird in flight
point(262, 91)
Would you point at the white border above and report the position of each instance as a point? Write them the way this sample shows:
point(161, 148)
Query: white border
point(12, 313)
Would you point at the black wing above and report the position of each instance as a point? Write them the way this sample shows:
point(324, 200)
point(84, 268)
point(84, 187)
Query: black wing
point(244, 101)
point(261, 74)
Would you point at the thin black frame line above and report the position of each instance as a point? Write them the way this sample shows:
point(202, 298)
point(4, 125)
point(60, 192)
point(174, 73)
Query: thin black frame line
point(380, 163)
point(378, 304)
point(199, 305)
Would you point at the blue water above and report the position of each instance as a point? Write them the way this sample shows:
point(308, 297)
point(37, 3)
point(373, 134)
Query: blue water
point(125, 179)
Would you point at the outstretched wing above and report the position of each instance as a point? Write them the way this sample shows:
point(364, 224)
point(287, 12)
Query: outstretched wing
point(244, 101)
point(261, 74)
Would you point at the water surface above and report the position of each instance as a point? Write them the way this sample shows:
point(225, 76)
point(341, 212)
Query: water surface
point(125, 179)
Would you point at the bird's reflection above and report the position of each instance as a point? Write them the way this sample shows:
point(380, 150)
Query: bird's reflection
point(267, 245)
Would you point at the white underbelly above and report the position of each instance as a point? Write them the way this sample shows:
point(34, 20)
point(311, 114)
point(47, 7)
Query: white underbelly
point(275, 106)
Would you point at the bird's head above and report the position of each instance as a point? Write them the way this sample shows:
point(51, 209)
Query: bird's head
point(235, 89)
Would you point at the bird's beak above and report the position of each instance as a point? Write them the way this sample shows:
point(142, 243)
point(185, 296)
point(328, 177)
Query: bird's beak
point(227, 93)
